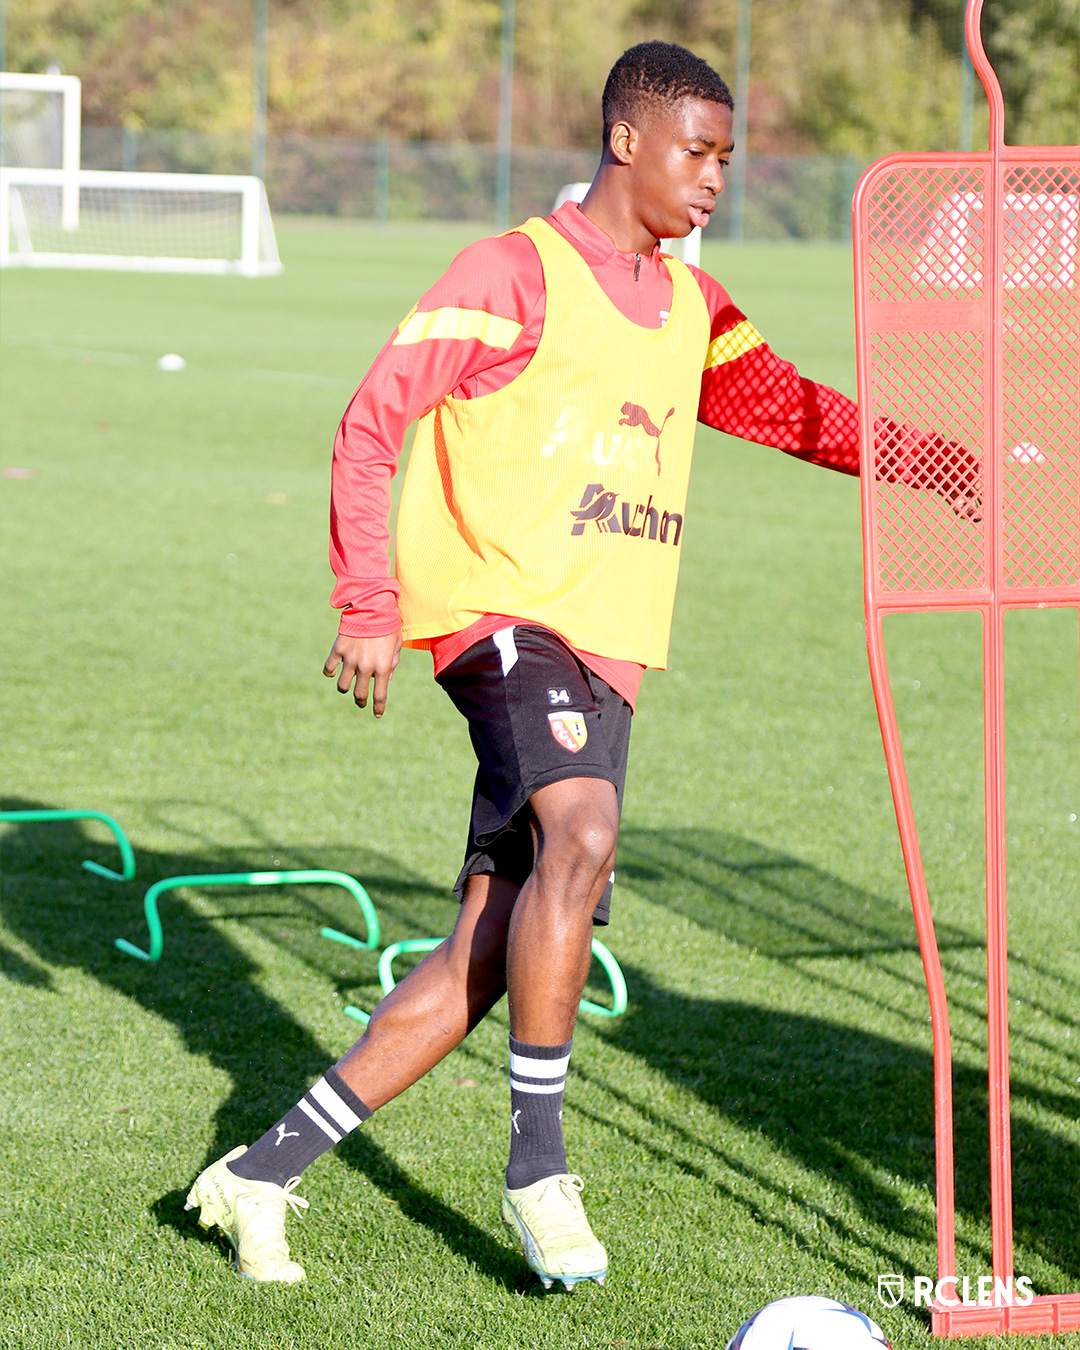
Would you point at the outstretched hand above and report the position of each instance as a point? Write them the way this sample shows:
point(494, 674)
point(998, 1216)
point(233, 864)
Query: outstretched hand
point(927, 460)
point(959, 478)
point(363, 661)
point(966, 502)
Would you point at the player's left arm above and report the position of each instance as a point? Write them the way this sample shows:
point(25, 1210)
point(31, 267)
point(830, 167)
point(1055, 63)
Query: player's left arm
point(748, 391)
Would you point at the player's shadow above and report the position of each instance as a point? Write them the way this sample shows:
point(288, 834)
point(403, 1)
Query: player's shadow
point(850, 1104)
point(770, 902)
point(210, 990)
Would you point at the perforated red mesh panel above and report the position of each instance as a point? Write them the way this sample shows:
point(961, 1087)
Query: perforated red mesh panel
point(920, 233)
point(1040, 378)
point(995, 368)
point(925, 324)
point(921, 543)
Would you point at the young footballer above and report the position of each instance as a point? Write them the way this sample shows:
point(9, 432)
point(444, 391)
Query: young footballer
point(558, 372)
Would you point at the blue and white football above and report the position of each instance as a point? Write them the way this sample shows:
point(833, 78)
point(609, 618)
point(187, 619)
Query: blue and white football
point(809, 1323)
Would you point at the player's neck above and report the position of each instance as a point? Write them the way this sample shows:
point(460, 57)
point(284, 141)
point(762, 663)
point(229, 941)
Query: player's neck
point(608, 205)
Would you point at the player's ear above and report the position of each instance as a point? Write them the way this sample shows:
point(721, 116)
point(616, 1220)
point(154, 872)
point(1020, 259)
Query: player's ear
point(622, 142)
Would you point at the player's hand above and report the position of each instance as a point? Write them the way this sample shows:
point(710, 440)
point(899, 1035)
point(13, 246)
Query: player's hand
point(927, 460)
point(962, 475)
point(966, 503)
point(366, 664)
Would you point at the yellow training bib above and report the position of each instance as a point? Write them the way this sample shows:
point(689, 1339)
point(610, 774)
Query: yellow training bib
point(560, 498)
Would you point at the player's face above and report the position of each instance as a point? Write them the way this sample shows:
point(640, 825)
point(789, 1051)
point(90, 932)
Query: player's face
point(678, 161)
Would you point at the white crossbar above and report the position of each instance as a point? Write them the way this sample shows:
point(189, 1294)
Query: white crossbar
point(255, 250)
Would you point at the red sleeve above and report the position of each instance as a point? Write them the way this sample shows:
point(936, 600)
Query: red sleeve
point(474, 330)
point(747, 391)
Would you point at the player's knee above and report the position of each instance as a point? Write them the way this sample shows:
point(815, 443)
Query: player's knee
point(596, 839)
point(583, 844)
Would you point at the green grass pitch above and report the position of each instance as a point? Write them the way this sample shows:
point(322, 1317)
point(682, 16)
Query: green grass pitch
point(758, 1124)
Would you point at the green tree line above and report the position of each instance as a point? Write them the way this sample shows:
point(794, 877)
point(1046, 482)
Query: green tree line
point(859, 77)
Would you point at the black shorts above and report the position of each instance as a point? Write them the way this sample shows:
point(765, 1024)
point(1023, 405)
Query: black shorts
point(536, 715)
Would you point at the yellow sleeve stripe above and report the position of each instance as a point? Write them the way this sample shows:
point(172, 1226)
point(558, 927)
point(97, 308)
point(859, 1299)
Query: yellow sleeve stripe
point(461, 324)
point(736, 342)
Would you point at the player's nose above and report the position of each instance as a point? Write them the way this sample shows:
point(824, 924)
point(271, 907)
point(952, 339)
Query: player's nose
point(713, 177)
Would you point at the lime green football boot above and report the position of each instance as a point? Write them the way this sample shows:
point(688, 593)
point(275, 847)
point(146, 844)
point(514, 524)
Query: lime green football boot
point(550, 1224)
point(251, 1214)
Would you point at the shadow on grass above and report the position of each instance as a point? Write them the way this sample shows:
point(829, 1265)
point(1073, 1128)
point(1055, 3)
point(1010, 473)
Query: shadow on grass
point(16, 968)
point(210, 990)
point(791, 912)
point(850, 1105)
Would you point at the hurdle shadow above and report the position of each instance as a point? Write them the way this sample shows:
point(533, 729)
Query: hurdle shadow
point(208, 989)
point(850, 1104)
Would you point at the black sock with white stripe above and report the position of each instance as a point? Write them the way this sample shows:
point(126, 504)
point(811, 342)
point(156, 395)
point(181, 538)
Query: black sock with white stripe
point(323, 1116)
point(537, 1079)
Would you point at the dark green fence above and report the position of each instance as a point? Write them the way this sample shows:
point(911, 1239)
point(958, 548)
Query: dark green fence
point(787, 196)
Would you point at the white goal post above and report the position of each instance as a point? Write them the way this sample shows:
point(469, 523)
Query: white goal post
point(35, 134)
point(145, 222)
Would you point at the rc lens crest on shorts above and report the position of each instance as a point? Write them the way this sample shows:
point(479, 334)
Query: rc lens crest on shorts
point(569, 730)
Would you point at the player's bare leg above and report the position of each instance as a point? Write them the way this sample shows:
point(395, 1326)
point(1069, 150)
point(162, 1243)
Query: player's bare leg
point(548, 953)
point(539, 938)
point(439, 1002)
point(550, 937)
point(249, 1192)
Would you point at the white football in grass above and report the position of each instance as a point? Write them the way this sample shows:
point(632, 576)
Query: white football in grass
point(809, 1323)
point(172, 362)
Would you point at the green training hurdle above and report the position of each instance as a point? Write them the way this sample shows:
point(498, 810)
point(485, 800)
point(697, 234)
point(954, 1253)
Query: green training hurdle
point(386, 976)
point(303, 878)
point(127, 857)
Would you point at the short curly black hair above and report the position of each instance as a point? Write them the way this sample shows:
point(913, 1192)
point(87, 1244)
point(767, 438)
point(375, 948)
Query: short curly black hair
point(658, 73)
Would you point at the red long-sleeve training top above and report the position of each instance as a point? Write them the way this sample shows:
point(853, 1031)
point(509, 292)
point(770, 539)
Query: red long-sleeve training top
point(473, 332)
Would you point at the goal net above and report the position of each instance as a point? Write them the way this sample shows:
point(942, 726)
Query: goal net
point(160, 222)
point(40, 129)
point(1040, 231)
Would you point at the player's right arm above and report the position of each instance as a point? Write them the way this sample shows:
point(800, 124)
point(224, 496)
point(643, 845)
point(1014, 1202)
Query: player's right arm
point(472, 332)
